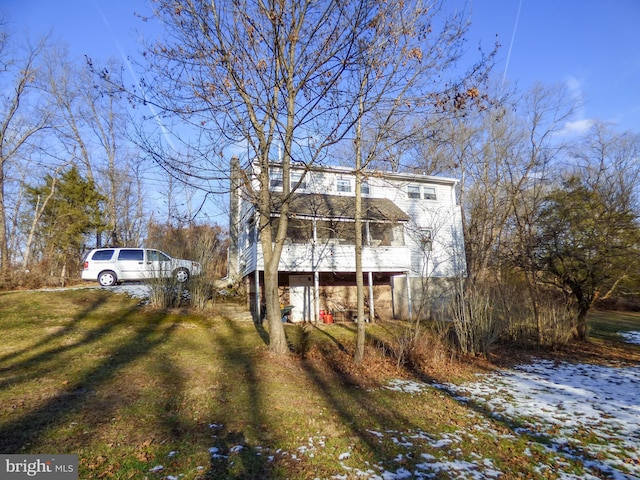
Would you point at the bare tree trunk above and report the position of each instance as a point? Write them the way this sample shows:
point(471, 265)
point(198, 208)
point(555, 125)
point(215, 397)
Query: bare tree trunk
point(32, 230)
point(5, 269)
point(271, 251)
point(580, 326)
point(63, 275)
point(360, 340)
point(39, 209)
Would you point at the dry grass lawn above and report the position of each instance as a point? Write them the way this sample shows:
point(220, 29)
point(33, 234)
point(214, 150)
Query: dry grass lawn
point(130, 389)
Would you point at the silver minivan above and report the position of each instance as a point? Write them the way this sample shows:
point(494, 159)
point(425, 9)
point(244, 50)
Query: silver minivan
point(109, 266)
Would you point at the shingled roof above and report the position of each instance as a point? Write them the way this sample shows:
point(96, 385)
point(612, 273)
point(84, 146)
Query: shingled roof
point(334, 206)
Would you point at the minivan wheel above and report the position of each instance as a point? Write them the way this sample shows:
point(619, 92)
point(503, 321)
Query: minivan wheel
point(107, 278)
point(181, 275)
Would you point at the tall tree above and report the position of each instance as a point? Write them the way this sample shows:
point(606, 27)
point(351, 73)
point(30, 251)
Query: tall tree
point(587, 243)
point(547, 109)
point(93, 131)
point(608, 162)
point(39, 201)
point(22, 117)
point(393, 82)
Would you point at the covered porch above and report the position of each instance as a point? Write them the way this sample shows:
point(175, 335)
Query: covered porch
point(315, 295)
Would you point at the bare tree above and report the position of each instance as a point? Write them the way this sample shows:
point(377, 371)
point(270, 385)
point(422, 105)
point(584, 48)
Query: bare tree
point(92, 127)
point(39, 208)
point(608, 162)
point(506, 156)
point(22, 118)
point(547, 110)
point(393, 83)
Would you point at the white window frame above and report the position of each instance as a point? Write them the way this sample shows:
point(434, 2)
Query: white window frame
point(343, 185)
point(413, 192)
point(275, 178)
point(297, 176)
point(426, 239)
point(429, 193)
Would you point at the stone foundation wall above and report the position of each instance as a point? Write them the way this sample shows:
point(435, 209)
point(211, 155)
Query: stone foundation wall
point(342, 301)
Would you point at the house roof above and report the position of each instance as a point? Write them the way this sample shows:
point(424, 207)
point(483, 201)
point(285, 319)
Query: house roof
point(334, 206)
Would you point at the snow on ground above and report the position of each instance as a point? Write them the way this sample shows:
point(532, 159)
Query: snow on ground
point(135, 290)
point(589, 414)
point(559, 402)
point(631, 337)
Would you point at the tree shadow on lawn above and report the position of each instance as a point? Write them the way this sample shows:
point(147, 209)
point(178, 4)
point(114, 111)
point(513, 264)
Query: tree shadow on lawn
point(236, 455)
point(262, 332)
point(60, 333)
point(24, 432)
point(354, 404)
point(232, 452)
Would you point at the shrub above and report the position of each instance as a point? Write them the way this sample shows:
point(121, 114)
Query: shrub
point(417, 348)
point(165, 292)
point(201, 290)
point(476, 324)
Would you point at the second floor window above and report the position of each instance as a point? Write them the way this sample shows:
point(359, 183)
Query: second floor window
point(275, 179)
point(417, 192)
point(297, 177)
point(413, 191)
point(365, 189)
point(429, 193)
point(343, 185)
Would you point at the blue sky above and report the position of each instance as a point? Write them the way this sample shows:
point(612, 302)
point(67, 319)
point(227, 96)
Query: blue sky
point(591, 45)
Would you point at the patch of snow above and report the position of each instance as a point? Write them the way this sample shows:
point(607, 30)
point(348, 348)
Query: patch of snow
point(134, 290)
point(631, 337)
point(566, 403)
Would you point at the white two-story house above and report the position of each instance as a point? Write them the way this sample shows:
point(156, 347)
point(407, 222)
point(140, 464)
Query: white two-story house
point(412, 242)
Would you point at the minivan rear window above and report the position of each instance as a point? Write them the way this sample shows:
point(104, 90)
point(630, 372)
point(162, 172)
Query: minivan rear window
point(102, 255)
point(136, 254)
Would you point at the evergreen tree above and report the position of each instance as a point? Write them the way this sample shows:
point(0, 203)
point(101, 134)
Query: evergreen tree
point(73, 211)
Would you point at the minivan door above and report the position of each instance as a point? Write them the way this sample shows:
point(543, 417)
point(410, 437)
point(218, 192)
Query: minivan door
point(158, 264)
point(130, 264)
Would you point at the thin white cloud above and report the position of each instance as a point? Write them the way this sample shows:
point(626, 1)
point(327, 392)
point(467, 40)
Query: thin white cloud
point(581, 124)
point(575, 87)
point(577, 127)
